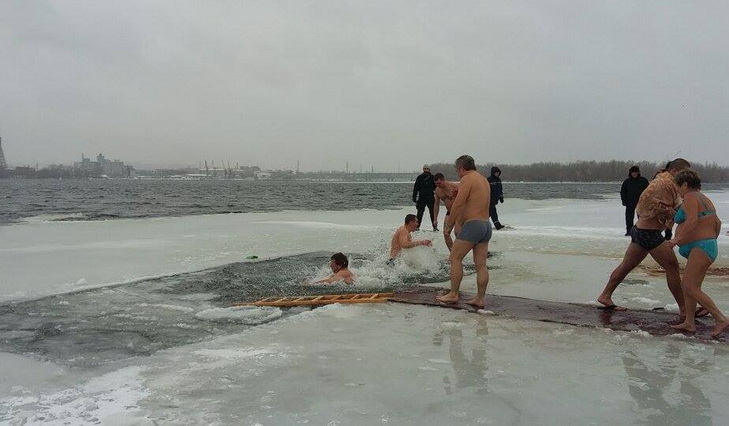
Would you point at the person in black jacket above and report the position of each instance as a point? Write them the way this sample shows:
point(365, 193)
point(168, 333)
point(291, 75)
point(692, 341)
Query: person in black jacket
point(630, 192)
point(497, 194)
point(424, 196)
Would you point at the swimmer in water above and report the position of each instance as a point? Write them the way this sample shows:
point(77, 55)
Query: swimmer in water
point(340, 270)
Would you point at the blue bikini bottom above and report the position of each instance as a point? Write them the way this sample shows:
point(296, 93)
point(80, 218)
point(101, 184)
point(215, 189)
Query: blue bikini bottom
point(708, 246)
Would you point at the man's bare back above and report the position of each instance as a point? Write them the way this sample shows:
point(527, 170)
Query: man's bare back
point(472, 201)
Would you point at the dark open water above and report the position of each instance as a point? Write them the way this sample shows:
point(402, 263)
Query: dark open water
point(99, 326)
point(114, 199)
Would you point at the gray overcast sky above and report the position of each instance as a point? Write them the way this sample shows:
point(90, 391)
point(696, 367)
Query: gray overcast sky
point(377, 83)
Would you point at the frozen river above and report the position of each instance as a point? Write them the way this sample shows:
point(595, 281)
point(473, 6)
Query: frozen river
point(128, 322)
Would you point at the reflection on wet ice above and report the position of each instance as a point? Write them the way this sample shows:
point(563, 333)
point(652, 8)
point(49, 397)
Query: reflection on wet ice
point(469, 370)
point(652, 380)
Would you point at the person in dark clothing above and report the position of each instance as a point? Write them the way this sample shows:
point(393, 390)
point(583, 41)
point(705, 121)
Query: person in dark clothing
point(630, 192)
point(424, 196)
point(497, 194)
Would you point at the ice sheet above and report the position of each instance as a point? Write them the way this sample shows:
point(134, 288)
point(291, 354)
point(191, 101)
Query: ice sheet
point(405, 365)
point(363, 364)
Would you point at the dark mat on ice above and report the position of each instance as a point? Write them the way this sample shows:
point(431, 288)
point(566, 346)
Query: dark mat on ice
point(654, 322)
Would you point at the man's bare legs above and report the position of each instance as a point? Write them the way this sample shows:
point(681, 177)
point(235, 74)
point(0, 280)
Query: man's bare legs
point(633, 256)
point(665, 257)
point(458, 252)
point(693, 277)
point(480, 254)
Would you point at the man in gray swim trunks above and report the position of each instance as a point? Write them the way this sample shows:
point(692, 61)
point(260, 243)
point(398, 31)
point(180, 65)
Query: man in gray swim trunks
point(470, 209)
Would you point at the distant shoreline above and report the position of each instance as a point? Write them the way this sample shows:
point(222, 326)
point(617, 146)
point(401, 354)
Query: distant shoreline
point(304, 180)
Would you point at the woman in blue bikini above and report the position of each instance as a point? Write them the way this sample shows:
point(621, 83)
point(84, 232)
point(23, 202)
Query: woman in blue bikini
point(698, 228)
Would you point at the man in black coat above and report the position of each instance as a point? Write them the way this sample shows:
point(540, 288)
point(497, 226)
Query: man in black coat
point(424, 195)
point(497, 194)
point(630, 192)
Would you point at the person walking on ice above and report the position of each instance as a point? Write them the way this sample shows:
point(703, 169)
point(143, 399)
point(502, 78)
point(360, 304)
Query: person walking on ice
point(630, 192)
point(470, 210)
point(423, 196)
point(656, 207)
point(497, 195)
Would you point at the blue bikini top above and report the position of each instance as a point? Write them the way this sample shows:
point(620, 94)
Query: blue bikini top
point(680, 216)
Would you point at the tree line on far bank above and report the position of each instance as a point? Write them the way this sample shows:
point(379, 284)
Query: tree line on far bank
point(582, 171)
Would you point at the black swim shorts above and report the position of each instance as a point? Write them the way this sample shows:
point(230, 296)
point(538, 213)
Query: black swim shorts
point(648, 239)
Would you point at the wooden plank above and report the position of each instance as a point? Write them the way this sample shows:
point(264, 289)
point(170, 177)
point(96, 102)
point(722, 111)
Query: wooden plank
point(290, 303)
point(654, 322)
point(324, 299)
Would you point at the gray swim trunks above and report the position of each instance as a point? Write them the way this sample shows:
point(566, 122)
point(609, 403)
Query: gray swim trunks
point(475, 231)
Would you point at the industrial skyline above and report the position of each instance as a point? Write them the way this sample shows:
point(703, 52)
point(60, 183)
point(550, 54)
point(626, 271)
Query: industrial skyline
point(377, 83)
point(116, 167)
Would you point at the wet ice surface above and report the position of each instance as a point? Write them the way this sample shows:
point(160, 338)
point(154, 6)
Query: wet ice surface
point(171, 350)
point(420, 368)
point(404, 364)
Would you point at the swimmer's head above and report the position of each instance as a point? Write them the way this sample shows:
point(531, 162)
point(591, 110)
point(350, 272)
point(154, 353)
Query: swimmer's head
point(338, 261)
point(411, 222)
